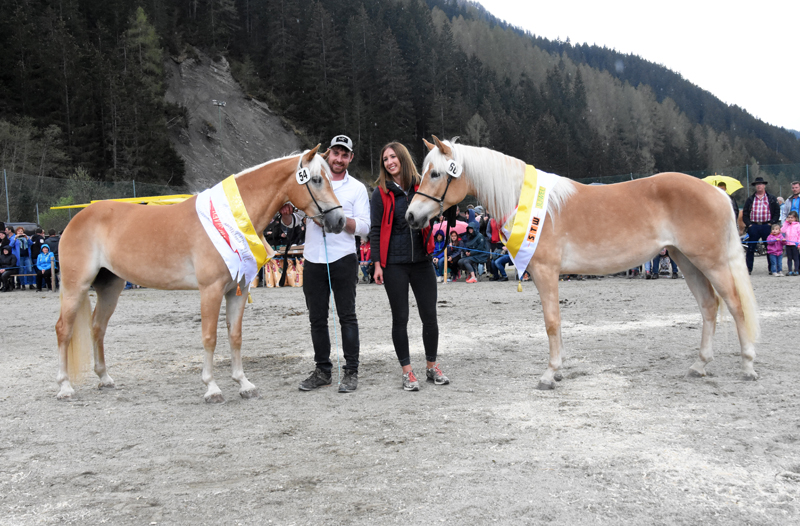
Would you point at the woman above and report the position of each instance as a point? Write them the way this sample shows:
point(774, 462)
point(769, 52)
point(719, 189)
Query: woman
point(44, 267)
point(454, 252)
point(401, 259)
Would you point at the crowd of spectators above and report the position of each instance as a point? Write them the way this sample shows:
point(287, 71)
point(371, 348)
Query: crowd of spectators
point(27, 261)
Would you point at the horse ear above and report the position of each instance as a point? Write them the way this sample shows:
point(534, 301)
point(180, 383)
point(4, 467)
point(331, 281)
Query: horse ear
point(442, 146)
point(326, 154)
point(429, 145)
point(310, 155)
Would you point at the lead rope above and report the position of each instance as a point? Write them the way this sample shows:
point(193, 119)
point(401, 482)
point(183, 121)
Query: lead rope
point(333, 307)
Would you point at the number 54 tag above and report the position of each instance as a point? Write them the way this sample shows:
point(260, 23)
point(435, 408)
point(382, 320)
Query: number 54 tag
point(453, 168)
point(303, 175)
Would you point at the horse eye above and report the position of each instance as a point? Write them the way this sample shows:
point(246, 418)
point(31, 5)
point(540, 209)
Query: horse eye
point(317, 179)
point(434, 175)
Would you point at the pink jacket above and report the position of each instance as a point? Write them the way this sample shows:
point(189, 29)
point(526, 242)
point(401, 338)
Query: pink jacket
point(792, 233)
point(775, 245)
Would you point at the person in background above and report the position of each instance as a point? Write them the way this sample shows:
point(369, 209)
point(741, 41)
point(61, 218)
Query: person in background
point(37, 240)
point(781, 202)
point(401, 259)
point(775, 243)
point(761, 210)
point(52, 241)
point(365, 260)
point(45, 265)
point(438, 254)
point(498, 266)
point(724, 187)
point(657, 264)
point(336, 252)
point(792, 202)
point(22, 250)
point(475, 252)
point(8, 268)
point(455, 251)
point(791, 233)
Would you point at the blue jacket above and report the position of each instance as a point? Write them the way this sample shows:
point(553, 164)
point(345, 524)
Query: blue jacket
point(476, 244)
point(438, 245)
point(45, 261)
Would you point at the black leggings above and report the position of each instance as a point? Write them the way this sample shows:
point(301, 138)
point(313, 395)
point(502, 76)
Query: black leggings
point(422, 278)
point(792, 256)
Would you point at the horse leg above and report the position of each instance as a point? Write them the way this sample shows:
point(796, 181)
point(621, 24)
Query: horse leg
point(108, 290)
point(210, 303)
point(708, 303)
point(546, 282)
point(234, 312)
point(732, 284)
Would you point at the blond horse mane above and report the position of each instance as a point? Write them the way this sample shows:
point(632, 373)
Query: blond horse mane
point(497, 178)
point(316, 163)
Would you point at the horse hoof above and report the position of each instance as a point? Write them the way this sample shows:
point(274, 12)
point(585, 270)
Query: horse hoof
point(65, 396)
point(251, 393)
point(106, 385)
point(557, 377)
point(750, 377)
point(215, 398)
point(545, 386)
point(696, 374)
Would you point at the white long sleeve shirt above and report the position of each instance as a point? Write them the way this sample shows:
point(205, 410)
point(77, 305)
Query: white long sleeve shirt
point(352, 195)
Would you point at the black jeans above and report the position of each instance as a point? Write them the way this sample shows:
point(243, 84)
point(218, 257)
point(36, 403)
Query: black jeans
point(344, 276)
point(422, 278)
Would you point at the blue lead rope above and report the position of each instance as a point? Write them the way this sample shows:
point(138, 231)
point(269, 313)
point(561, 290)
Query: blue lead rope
point(333, 307)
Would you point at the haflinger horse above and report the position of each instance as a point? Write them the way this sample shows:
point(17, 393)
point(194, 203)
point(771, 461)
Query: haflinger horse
point(167, 247)
point(606, 229)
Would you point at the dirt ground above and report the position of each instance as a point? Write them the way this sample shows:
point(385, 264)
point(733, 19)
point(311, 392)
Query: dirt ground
point(625, 438)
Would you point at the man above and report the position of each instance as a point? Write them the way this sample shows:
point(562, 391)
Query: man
point(760, 211)
point(793, 202)
point(341, 256)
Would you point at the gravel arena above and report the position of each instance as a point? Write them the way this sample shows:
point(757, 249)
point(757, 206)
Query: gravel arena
point(625, 438)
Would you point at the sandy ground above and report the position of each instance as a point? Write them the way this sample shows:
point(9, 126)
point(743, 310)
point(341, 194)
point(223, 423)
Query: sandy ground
point(626, 437)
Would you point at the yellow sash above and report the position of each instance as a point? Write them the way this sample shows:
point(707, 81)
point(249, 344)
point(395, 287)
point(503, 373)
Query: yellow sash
point(256, 243)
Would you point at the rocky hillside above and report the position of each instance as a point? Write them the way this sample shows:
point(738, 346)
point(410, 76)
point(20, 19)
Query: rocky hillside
point(217, 141)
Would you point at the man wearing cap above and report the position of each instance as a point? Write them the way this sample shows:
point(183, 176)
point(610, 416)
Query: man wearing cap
point(761, 210)
point(339, 252)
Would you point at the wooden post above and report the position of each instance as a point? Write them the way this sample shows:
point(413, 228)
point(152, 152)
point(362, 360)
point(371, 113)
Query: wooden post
point(53, 273)
point(445, 261)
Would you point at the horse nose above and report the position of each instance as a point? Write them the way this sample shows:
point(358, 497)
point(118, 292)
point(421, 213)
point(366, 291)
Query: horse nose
point(410, 218)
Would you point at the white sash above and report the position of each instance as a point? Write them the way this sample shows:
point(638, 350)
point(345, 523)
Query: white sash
point(225, 220)
point(521, 232)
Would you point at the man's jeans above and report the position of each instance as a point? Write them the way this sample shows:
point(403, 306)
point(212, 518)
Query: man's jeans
point(344, 276)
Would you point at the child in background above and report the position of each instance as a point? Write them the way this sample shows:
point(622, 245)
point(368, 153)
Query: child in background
point(364, 260)
point(775, 251)
point(791, 232)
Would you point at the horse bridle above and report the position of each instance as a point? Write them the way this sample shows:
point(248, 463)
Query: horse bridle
point(322, 212)
point(439, 200)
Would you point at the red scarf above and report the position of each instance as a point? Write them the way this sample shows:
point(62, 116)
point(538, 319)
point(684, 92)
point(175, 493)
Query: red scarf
point(386, 226)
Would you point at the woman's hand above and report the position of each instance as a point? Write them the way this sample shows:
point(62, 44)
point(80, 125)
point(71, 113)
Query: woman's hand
point(378, 276)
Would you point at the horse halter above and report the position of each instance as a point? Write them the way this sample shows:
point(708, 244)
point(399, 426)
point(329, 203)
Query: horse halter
point(439, 200)
point(303, 178)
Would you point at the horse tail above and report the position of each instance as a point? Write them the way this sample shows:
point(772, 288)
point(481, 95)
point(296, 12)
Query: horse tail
point(80, 345)
point(742, 284)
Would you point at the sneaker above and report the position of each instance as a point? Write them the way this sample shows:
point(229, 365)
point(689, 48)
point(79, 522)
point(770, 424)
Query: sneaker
point(504, 278)
point(439, 279)
point(674, 275)
point(436, 376)
point(349, 382)
point(472, 280)
point(318, 378)
point(410, 382)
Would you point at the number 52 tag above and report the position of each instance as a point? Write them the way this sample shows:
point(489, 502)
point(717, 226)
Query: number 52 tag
point(453, 168)
point(303, 176)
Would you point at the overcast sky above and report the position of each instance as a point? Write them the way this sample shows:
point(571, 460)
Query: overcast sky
point(745, 53)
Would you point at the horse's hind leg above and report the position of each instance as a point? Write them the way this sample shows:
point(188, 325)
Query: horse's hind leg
point(708, 303)
point(546, 282)
point(74, 314)
point(234, 312)
point(108, 287)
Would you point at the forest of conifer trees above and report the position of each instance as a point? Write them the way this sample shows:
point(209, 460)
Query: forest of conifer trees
point(82, 86)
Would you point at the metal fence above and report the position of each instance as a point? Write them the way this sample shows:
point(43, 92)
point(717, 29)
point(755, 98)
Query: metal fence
point(29, 197)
